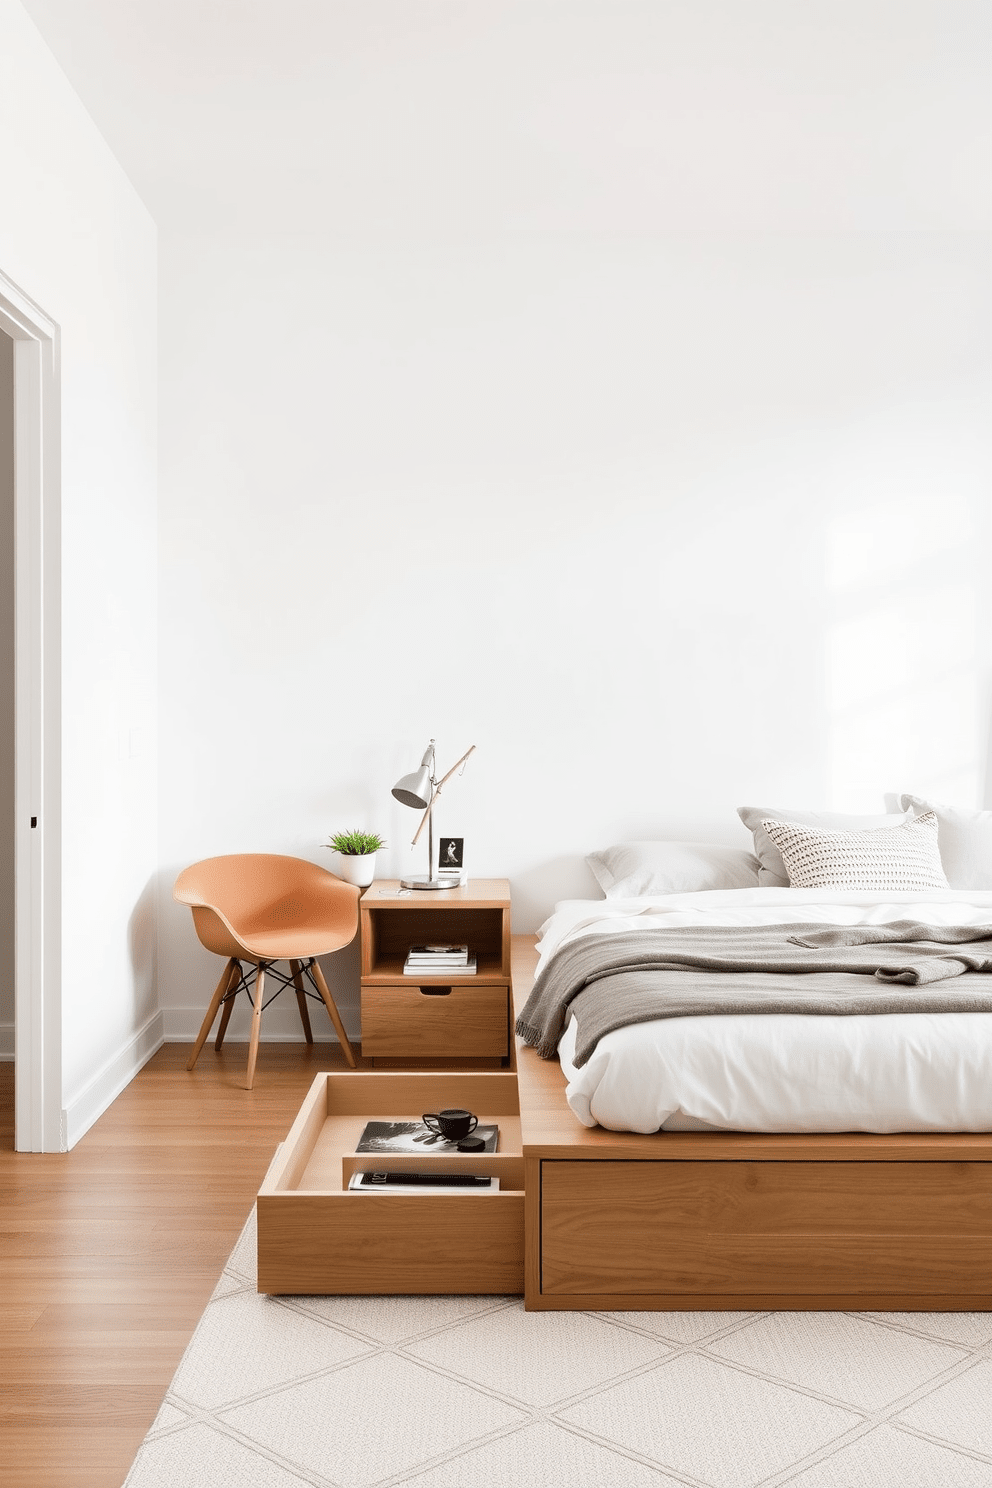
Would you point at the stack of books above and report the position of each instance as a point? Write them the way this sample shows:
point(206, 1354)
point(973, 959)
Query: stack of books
point(439, 960)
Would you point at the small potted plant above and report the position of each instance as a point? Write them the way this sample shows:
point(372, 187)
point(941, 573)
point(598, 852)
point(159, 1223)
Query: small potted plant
point(356, 856)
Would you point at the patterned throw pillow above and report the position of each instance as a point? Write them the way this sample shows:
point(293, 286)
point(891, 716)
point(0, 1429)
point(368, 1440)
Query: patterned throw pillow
point(887, 858)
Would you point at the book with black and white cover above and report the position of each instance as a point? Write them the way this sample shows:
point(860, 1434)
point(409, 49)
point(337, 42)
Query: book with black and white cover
point(422, 1183)
point(414, 1136)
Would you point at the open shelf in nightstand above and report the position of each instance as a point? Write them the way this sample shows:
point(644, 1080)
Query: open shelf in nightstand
point(389, 968)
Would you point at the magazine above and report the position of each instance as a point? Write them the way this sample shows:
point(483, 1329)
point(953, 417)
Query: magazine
point(414, 1136)
point(422, 1183)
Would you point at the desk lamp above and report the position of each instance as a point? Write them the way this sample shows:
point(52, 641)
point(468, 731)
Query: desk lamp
point(421, 790)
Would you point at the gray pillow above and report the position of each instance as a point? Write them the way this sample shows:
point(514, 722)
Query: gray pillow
point(634, 870)
point(771, 870)
point(965, 841)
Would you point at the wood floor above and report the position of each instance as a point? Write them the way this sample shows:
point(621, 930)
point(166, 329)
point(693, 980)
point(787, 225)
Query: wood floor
point(108, 1253)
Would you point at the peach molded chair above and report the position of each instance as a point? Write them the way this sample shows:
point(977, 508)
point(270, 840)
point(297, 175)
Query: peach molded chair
point(263, 908)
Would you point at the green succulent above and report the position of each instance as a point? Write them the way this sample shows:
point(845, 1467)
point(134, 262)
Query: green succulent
point(355, 844)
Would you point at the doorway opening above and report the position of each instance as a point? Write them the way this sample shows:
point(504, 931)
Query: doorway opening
point(7, 638)
point(30, 817)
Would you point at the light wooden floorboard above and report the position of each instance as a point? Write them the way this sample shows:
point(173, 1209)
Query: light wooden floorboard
point(109, 1253)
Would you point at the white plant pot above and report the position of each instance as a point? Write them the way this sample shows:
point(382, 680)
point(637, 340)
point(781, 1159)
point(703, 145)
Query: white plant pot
point(356, 868)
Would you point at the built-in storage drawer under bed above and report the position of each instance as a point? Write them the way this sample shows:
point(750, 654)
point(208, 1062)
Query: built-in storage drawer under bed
point(683, 1233)
point(316, 1237)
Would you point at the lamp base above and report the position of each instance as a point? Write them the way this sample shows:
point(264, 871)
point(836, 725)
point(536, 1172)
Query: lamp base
point(429, 883)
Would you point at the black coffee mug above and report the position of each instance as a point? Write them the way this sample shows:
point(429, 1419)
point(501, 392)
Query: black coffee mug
point(452, 1125)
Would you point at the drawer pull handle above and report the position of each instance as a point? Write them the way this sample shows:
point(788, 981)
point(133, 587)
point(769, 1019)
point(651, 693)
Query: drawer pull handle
point(435, 991)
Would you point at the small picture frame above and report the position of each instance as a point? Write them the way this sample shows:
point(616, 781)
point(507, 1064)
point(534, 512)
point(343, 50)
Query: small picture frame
point(450, 854)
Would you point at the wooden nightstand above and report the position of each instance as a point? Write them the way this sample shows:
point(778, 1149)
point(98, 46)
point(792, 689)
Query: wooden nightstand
point(439, 1022)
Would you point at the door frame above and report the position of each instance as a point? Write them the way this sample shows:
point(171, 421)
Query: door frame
point(39, 1124)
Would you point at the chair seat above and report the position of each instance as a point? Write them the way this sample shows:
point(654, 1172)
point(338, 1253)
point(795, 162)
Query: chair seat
point(262, 907)
point(293, 943)
point(295, 926)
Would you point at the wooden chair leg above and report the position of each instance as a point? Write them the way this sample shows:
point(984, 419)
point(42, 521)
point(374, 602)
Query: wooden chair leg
point(215, 1002)
point(227, 1008)
point(256, 1023)
point(301, 1000)
point(332, 1008)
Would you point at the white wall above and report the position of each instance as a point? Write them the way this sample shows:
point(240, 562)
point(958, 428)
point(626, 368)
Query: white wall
point(6, 697)
point(76, 238)
point(663, 523)
point(661, 520)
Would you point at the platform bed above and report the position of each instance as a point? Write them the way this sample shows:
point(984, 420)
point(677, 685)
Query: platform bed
point(596, 1220)
point(708, 1221)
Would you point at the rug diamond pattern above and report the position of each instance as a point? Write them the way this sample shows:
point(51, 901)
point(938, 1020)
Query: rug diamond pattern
point(472, 1392)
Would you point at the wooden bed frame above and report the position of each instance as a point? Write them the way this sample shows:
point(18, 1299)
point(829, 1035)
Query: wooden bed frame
point(707, 1221)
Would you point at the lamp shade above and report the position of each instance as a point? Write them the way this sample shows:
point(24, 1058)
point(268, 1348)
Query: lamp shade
point(415, 790)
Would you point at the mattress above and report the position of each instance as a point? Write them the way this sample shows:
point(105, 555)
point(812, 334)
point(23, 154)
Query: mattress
point(907, 1072)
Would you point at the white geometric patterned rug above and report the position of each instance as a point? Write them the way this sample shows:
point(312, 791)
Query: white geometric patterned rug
point(472, 1392)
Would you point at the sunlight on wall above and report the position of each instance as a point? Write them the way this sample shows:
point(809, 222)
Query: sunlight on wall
point(905, 682)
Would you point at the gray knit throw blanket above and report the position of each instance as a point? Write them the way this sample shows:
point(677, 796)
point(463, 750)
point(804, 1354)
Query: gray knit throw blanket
point(610, 981)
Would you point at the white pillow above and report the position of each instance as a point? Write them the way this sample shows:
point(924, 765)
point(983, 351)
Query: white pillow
point(965, 841)
point(634, 870)
point(771, 871)
point(885, 859)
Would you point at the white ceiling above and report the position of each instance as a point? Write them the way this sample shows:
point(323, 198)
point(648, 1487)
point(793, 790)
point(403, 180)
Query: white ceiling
point(357, 116)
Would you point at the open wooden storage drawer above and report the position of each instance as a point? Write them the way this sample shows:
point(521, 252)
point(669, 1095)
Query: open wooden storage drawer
point(314, 1236)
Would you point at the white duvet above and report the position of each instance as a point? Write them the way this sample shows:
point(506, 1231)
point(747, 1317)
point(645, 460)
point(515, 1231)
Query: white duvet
point(894, 1072)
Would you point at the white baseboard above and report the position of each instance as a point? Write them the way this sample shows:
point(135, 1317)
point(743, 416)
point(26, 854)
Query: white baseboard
point(280, 1025)
point(6, 1042)
point(178, 1025)
point(104, 1088)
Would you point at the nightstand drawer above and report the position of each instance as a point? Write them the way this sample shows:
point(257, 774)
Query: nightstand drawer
point(404, 1021)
